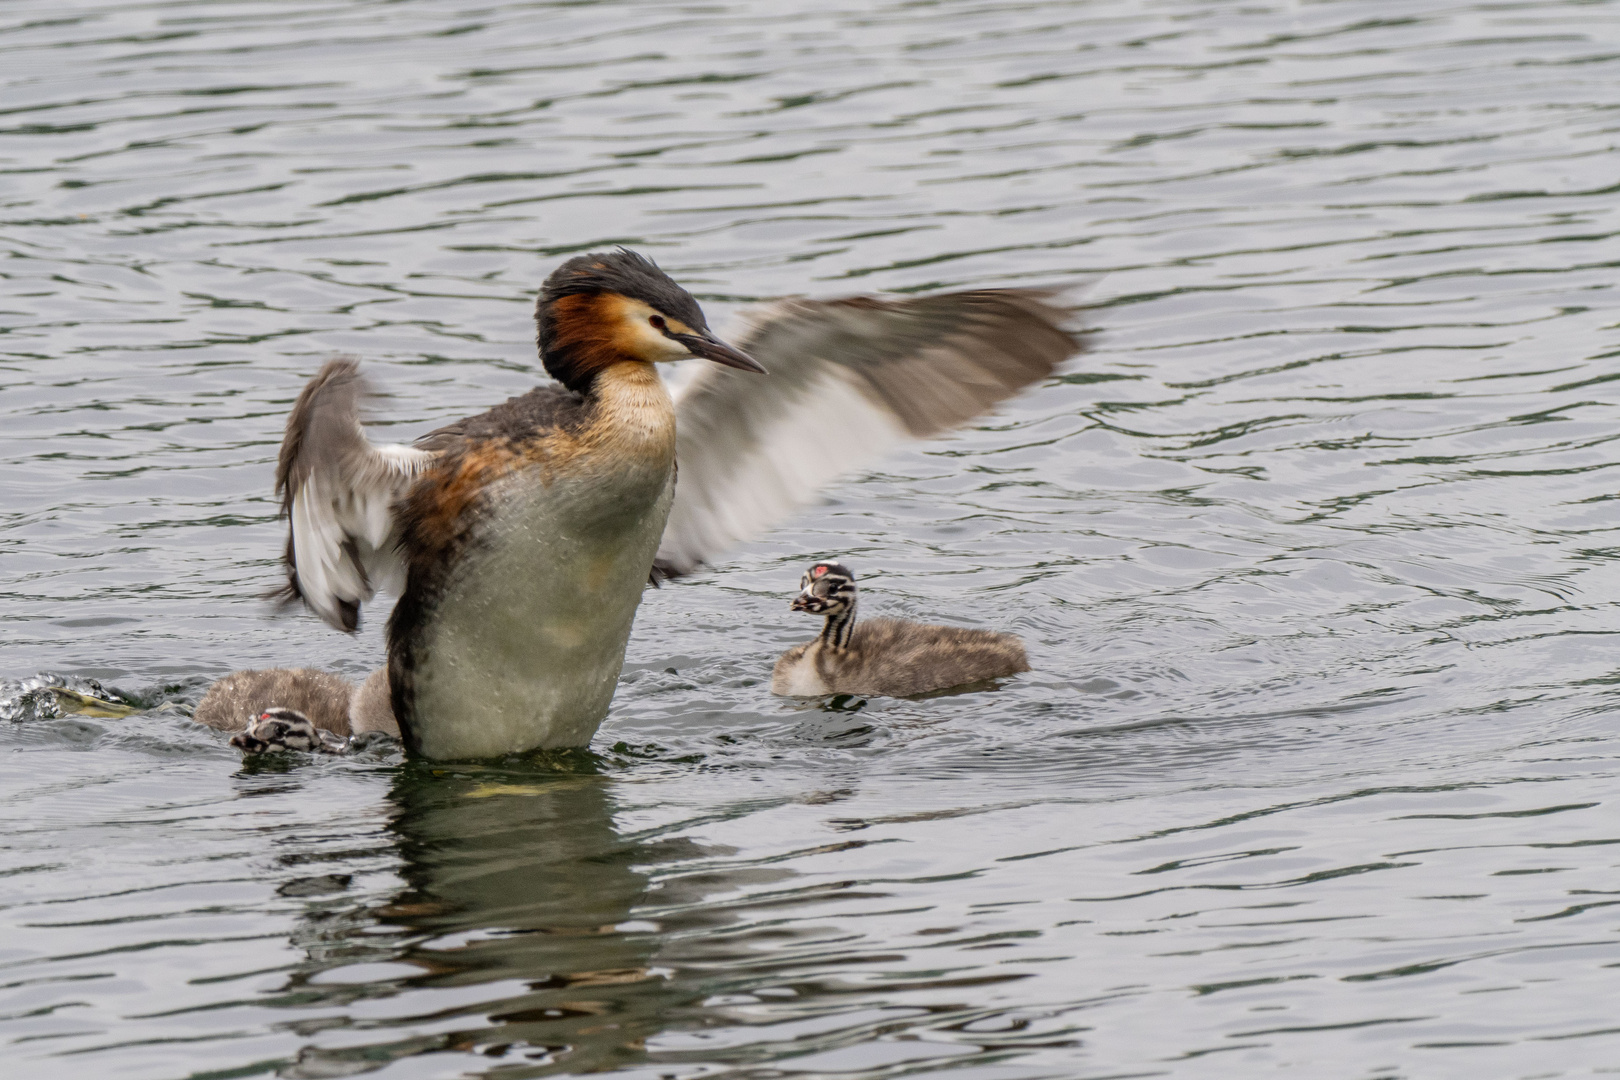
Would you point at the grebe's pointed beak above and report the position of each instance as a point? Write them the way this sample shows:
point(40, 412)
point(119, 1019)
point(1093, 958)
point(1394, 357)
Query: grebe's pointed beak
point(709, 347)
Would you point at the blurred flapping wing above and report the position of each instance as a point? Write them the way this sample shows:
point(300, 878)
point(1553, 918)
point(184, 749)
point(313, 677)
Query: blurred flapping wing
point(338, 491)
point(849, 379)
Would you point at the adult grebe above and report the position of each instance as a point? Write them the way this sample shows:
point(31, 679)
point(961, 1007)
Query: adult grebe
point(519, 540)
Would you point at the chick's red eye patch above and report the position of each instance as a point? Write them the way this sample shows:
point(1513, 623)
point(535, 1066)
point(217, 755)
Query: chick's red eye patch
point(818, 571)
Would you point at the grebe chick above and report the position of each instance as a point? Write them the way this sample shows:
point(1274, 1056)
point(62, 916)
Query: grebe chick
point(519, 541)
point(327, 702)
point(887, 657)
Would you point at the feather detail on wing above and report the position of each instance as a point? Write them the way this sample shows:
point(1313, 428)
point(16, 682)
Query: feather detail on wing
point(339, 490)
point(849, 379)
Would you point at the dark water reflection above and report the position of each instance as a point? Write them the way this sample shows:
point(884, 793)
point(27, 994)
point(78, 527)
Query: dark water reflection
point(1315, 551)
point(513, 939)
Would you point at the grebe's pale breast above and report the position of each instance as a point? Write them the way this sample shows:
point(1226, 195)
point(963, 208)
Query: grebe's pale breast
point(516, 641)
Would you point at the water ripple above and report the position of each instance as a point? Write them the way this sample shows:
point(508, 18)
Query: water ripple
point(1314, 552)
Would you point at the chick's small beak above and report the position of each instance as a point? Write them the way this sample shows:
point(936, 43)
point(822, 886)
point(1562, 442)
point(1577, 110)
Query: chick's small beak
point(801, 602)
point(710, 347)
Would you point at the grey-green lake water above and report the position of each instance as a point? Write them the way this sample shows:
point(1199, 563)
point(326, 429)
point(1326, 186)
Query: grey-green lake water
point(1315, 551)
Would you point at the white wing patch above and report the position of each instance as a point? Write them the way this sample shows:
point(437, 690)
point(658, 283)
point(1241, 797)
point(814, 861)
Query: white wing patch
point(848, 379)
point(343, 531)
point(769, 460)
point(339, 492)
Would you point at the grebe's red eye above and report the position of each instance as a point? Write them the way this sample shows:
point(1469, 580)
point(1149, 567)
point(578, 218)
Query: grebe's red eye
point(657, 322)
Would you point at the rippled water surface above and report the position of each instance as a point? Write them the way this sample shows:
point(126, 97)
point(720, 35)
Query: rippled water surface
point(1314, 551)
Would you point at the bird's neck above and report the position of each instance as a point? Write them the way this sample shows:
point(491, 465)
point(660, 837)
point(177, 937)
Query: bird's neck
point(839, 627)
point(633, 408)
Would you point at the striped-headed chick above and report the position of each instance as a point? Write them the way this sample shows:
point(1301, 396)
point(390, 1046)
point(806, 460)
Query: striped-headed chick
point(885, 657)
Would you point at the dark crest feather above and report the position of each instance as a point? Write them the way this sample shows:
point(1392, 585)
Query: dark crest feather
point(622, 273)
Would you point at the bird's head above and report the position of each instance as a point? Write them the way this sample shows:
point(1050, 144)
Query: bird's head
point(827, 588)
point(277, 728)
point(610, 307)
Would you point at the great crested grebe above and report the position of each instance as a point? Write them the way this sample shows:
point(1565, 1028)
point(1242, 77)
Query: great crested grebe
point(884, 657)
point(519, 540)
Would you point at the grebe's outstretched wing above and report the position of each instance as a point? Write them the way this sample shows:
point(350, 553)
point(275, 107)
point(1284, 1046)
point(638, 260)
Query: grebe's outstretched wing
point(849, 379)
point(338, 490)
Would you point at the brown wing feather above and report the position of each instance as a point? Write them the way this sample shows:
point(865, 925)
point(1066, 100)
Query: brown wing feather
point(848, 380)
point(934, 361)
point(337, 489)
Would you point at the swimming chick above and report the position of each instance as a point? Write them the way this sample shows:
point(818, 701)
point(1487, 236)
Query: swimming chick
point(328, 702)
point(886, 657)
point(519, 540)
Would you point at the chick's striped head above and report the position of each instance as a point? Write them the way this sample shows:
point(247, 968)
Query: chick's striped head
point(827, 588)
